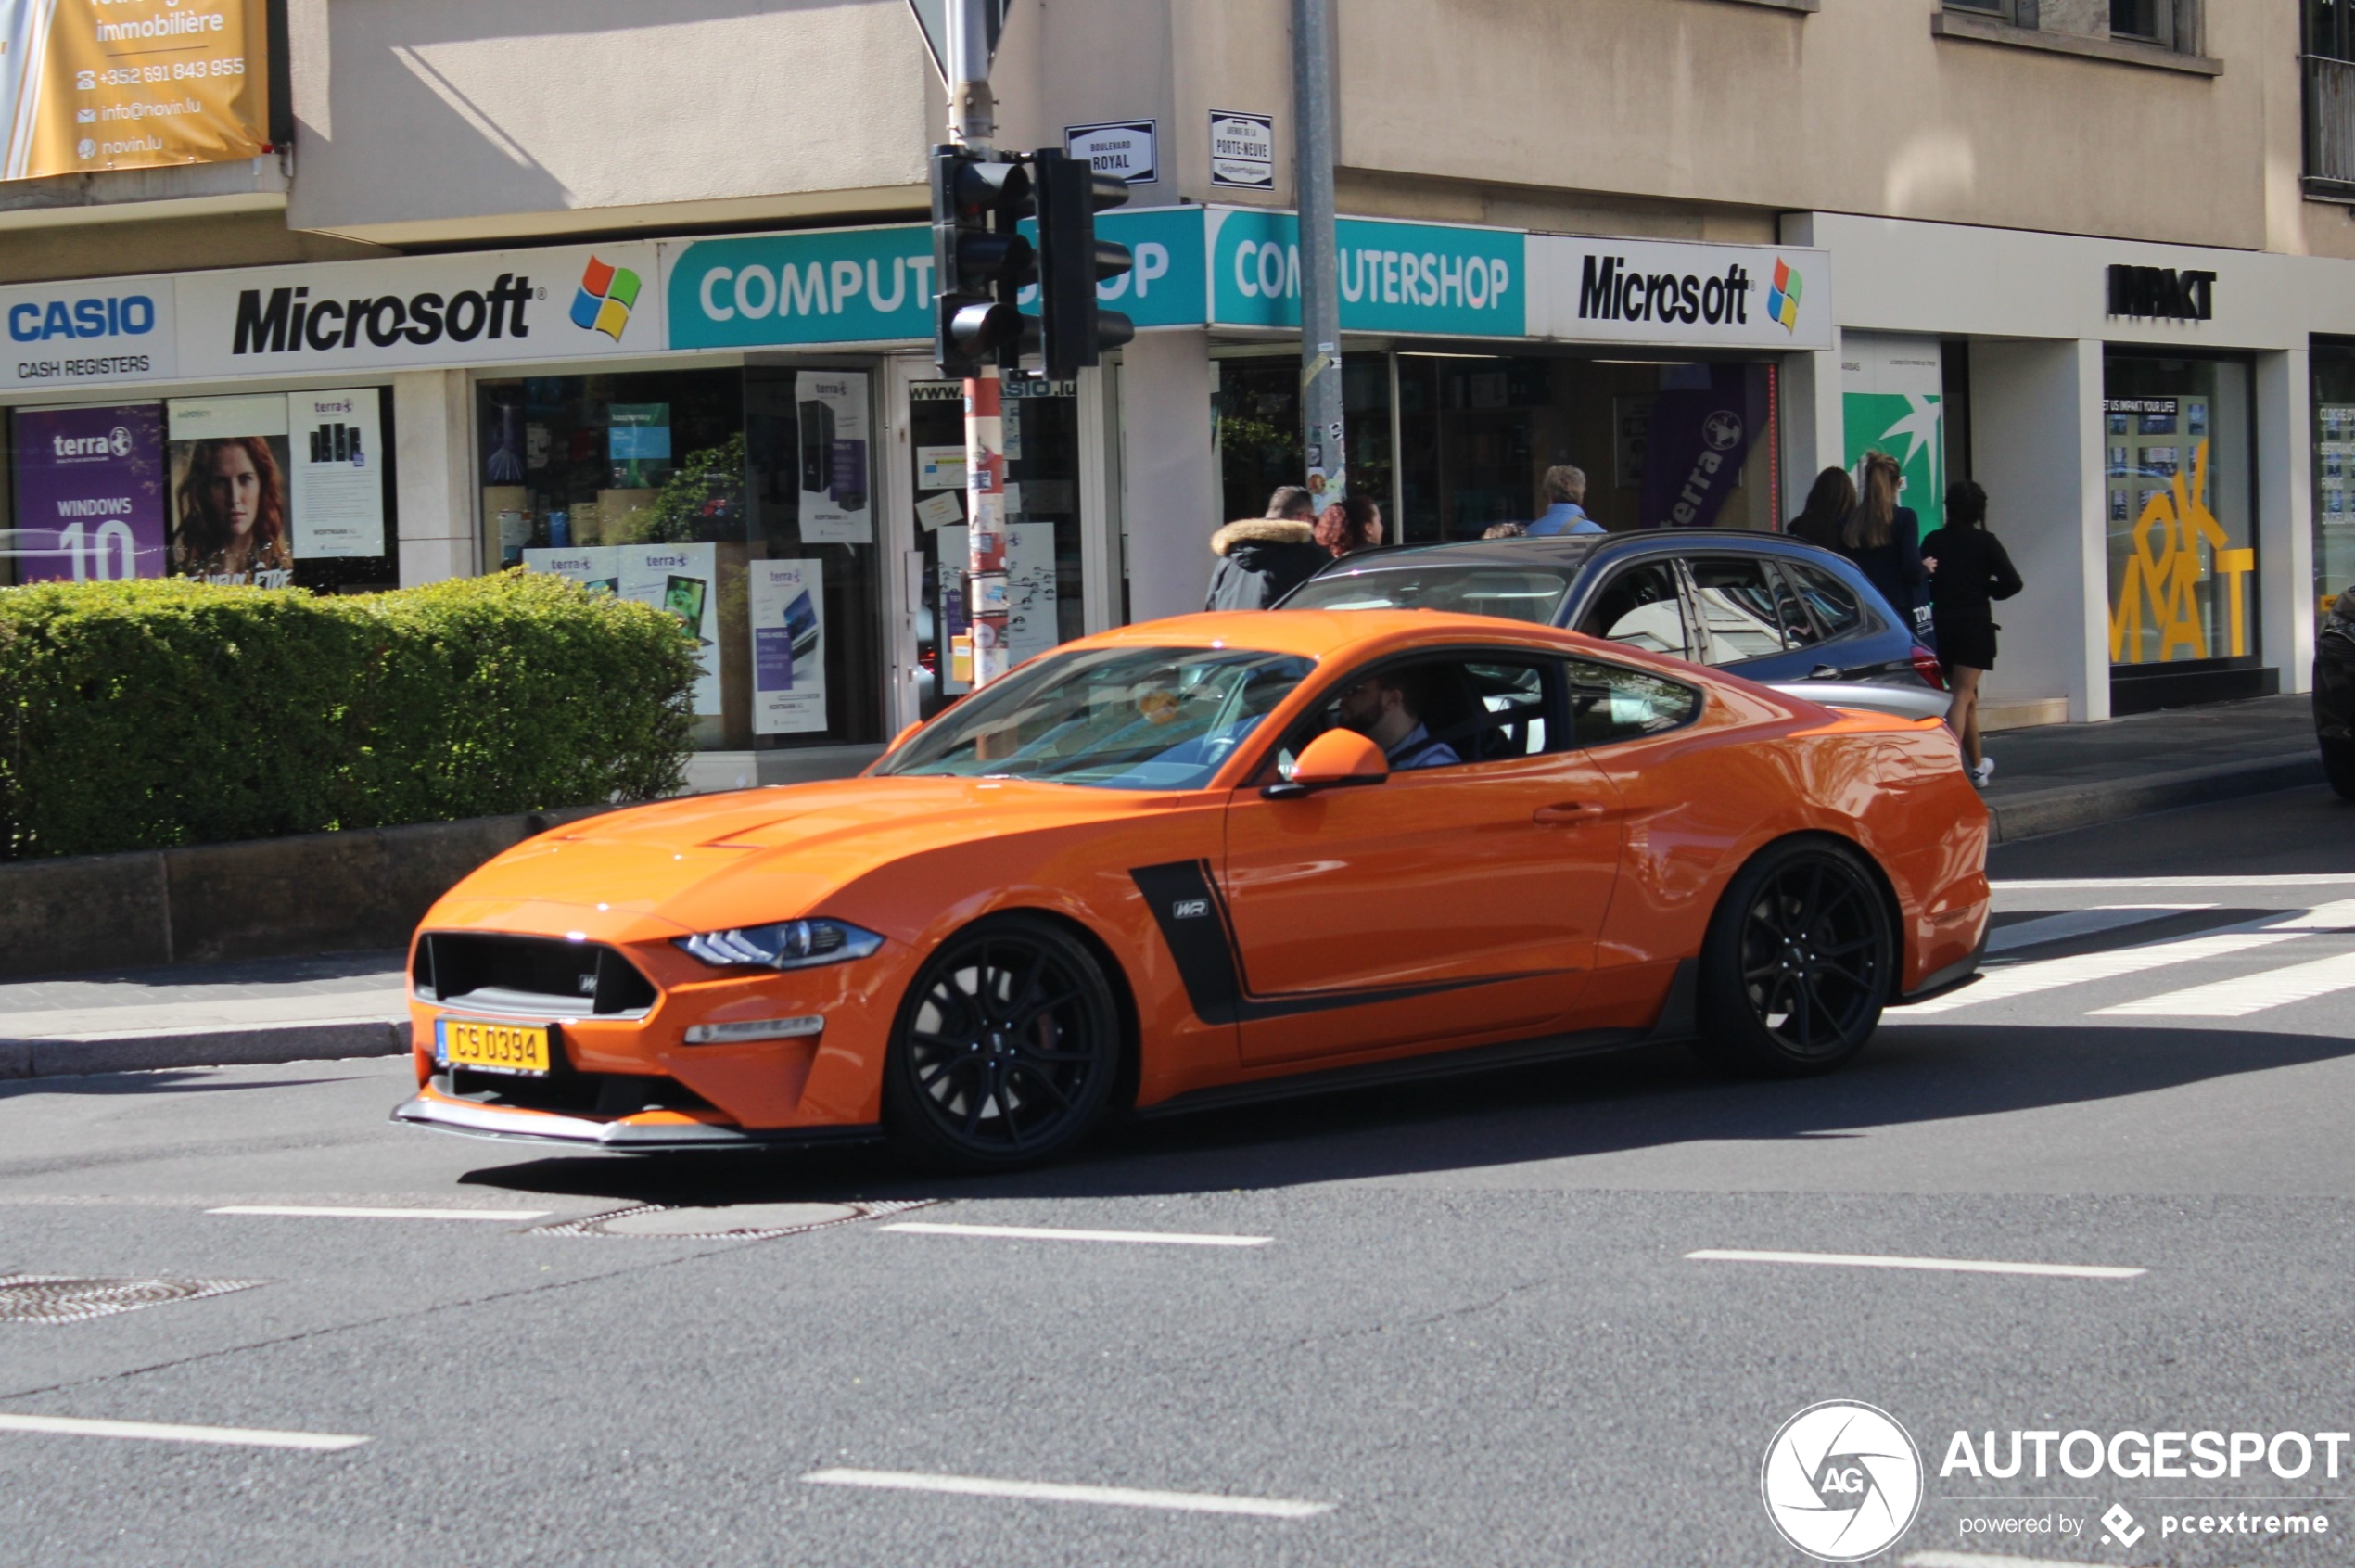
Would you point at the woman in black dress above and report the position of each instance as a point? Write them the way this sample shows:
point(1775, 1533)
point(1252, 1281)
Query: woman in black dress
point(1968, 570)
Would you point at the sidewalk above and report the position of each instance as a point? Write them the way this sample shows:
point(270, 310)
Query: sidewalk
point(2062, 776)
point(2047, 780)
point(205, 1014)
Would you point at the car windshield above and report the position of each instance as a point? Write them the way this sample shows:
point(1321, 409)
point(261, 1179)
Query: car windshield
point(1112, 717)
point(1530, 592)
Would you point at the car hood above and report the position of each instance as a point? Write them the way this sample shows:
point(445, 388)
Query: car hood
point(704, 862)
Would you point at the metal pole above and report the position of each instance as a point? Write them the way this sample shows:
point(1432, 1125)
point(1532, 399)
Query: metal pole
point(972, 120)
point(1321, 403)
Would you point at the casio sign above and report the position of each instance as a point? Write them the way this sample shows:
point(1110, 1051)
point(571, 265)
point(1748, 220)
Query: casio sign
point(110, 316)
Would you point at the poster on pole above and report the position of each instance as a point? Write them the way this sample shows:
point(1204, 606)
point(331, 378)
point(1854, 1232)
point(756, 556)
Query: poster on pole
point(334, 439)
point(788, 647)
point(682, 580)
point(832, 410)
point(90, 494)
point(91, 84)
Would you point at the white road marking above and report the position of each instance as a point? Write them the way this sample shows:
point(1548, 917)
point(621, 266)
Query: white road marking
point(1981, 1559)
point(1042, 1491)
point(303, 1212)
point(1936, 1265)
point(2102, 883)
point(2026, 979)
point(1036, 1233)
point(2051, 974)
point(157, 1432)
point(2078, 923)
point(2245, 994)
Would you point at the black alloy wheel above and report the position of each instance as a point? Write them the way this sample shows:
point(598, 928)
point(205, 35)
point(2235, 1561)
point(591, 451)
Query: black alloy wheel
point(1006, 1047)
point(1799, 962)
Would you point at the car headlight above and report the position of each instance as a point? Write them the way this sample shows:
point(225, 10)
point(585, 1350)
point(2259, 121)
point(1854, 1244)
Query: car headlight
point(789, 944)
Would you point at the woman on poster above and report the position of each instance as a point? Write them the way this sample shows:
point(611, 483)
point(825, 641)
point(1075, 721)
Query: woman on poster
point(232, 511)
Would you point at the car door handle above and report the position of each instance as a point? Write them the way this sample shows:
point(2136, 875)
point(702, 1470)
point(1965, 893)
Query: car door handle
point(1824, 672)
point(1569, 813)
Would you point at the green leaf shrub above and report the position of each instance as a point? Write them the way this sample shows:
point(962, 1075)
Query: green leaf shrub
point(145, 715)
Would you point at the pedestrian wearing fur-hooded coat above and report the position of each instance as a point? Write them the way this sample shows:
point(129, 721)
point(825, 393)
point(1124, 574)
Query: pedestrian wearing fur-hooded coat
point(1260, 560)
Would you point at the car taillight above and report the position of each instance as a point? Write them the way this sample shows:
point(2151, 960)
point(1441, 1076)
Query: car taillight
point(1925, 666)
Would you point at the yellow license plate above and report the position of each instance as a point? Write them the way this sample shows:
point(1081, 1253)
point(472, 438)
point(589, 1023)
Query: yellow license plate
point(492, 1048)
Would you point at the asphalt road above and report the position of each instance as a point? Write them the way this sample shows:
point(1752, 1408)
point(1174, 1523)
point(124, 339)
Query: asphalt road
point(1470, 1329)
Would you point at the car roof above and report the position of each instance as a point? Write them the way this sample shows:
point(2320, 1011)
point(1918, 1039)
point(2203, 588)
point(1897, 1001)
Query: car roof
point(1572, 550)
point(1318, 634)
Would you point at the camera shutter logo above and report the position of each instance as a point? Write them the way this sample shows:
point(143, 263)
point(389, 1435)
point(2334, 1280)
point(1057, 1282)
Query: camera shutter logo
point(1842, 1481)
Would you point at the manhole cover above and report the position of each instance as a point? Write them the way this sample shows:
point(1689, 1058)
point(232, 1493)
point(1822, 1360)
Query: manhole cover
point(62, 1298)
point(741, 1222)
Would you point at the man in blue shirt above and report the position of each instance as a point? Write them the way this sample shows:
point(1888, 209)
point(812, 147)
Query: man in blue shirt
point(1387, 711)
point(1566, 494)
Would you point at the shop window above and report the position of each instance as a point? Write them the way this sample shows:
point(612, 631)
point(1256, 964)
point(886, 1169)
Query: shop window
point(1662, 445)
point(1045, 580)
point(1257, 428)
point(273, 488)
point(2180, 494)
point(739, 503)
point(2334, 436)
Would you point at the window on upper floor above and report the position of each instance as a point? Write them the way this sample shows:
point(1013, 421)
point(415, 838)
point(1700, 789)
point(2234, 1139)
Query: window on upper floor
point(2329, 28)
point(2330, 99)
point(2145, 21)
point(2021, 13)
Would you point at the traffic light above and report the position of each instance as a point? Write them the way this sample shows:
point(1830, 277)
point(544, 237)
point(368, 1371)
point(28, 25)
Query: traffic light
point(979, 261)
point(1074, 329)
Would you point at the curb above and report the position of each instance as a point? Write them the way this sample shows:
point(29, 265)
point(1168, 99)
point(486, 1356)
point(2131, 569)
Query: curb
point(2042, 811)
point(254, 1045)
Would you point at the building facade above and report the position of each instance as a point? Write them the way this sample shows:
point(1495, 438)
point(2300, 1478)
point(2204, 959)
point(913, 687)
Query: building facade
point(646, 302)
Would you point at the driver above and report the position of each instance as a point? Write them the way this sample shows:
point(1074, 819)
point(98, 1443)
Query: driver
point(1387, 709)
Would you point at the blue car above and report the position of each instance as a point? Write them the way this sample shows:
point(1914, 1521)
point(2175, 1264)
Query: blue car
point(1764, 606)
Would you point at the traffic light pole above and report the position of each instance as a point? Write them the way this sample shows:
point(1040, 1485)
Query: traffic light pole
point(1320, 401)
point(972, 122)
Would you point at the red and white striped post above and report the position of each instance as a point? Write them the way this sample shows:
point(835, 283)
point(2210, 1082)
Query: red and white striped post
point(985, 522)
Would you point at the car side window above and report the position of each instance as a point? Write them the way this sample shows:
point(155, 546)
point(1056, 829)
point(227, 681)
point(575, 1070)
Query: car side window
point(1445, 711)
point(1610, 702)
point(1737, 609)
point(1798, 625)
point(1640, 607)
point(1832, 602)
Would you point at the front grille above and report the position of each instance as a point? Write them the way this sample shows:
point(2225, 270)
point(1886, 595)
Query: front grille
point(572, 1094)
point(543, 975)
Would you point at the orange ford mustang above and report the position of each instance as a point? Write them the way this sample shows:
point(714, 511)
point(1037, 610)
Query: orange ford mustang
point(1206, 859)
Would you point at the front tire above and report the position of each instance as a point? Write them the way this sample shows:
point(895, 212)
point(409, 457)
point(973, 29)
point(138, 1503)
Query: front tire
point(1005, 1050)
point(1797, 962)
point(2338, 767)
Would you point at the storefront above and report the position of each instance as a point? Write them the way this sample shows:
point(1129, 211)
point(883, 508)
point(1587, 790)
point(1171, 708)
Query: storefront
point(747, 432)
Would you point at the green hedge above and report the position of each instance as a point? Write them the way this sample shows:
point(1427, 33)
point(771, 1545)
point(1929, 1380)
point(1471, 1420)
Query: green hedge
point(143, 715)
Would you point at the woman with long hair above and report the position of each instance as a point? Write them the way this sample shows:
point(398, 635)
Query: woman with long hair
point(1884, 539)
point(1829, 501)
point(1969, 569)
point(1349, 525)
point(232, 511)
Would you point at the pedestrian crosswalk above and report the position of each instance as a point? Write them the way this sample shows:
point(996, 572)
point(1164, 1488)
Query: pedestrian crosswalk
point(2312, 945)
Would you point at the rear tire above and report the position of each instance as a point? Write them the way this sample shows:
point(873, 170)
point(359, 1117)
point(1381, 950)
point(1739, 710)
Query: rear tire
point(2338, 767)
point(1006, 1048)
point(1797, 962)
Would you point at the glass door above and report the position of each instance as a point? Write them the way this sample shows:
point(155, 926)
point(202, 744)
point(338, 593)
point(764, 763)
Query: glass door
point(1046, 582)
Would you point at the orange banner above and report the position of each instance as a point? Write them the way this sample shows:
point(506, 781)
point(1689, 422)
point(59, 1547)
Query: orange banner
point(89, 85)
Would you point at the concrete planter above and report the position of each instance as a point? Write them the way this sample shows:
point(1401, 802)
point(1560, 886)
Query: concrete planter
point(267, 898)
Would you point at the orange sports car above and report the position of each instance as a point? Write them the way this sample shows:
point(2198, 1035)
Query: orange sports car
point(1200, 860)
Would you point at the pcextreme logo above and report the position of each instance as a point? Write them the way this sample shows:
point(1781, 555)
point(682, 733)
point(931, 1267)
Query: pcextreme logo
point(1842, 1481)
point(1782, 300)
point(606, 295)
